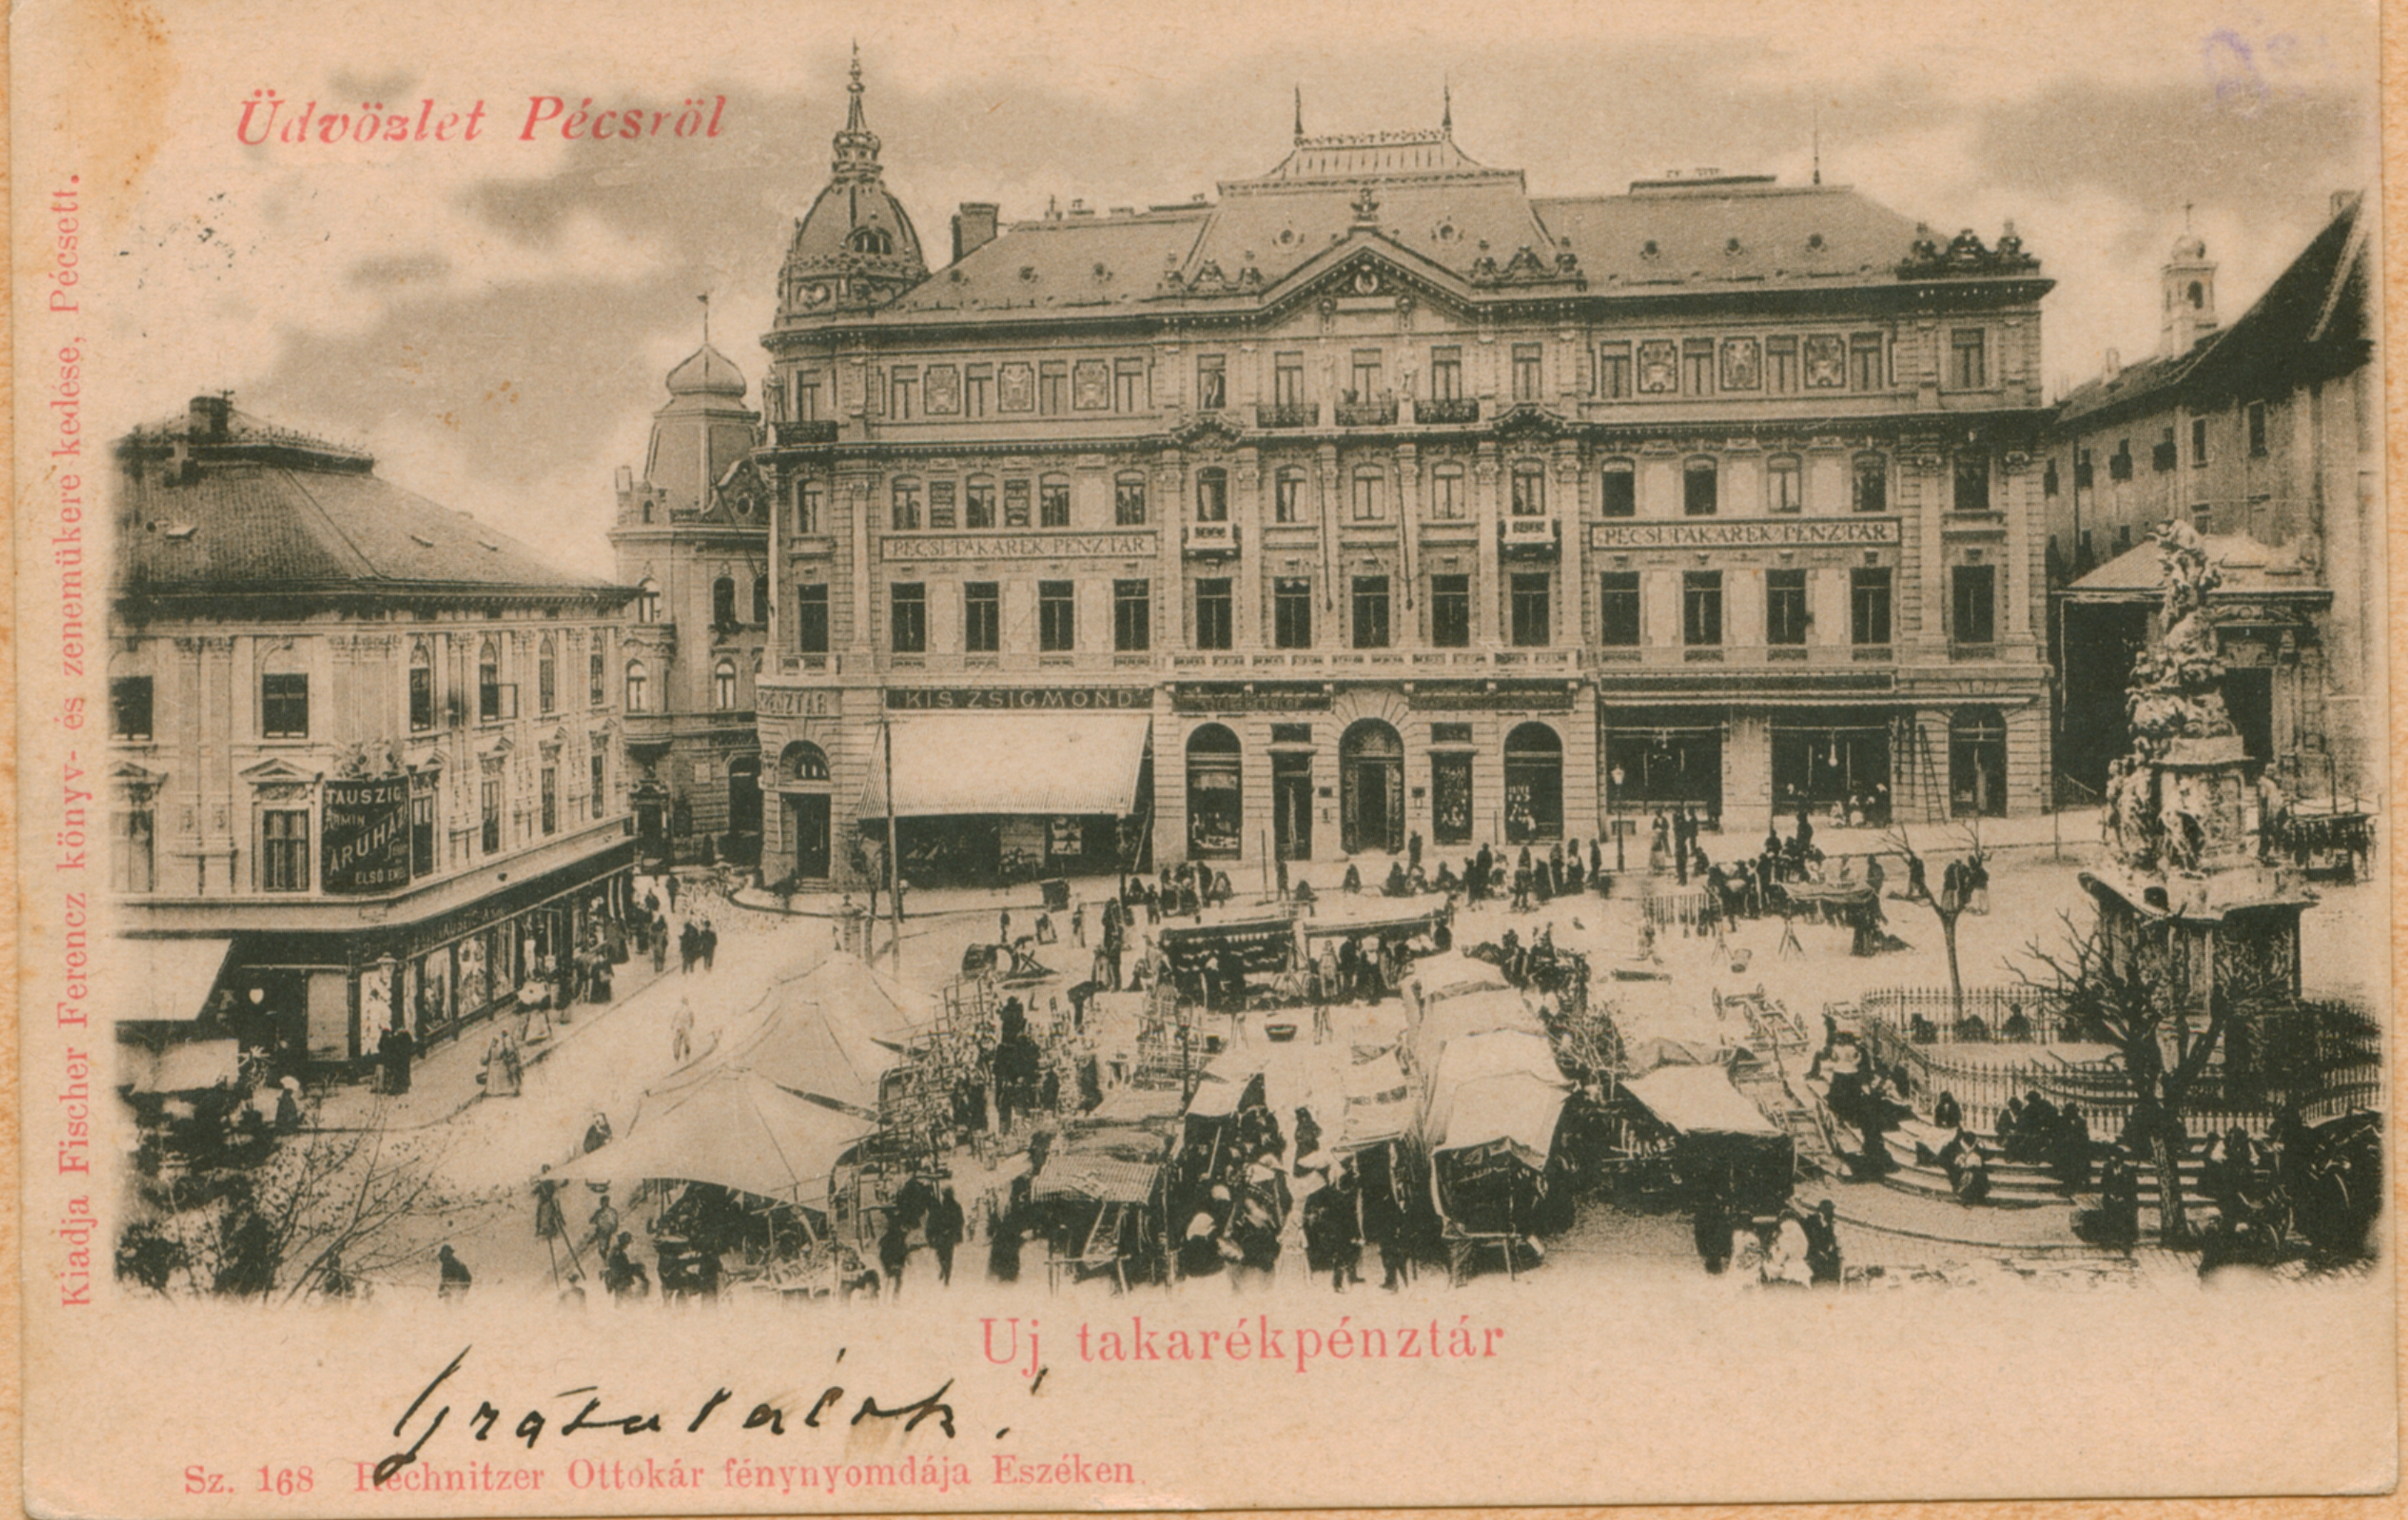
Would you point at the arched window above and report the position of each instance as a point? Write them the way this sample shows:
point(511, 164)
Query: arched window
point(648, 600)
point(1700, 488)
point(597, 693)
point(1619, 495)
point(1977, 763)
point(489, 682)
point(1446, 503)
point(722, 685)
point(1785, 484)
point(1215, 811)
point(547, 677)
point(803, 761)
point(1128, 500)
point(1529, 489)
point(873, 241)
point(421, 687)
point(723, 602)
point(1371, 496)
point(761, 601)
point(639, 700)
point(1534, 784)
point(2198, 295)
point(1212, 495)
point(1871, 491)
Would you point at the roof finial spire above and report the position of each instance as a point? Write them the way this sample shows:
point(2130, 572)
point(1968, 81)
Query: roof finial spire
point(1446, 117)
point(1818, 141)
point(852, 122)
point(704, 299)
point(1300, 113)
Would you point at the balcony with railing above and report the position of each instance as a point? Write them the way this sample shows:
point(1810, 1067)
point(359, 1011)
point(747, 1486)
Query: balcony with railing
point(1211, 540)
point(803, 435)
point(1447, 411)
point(1366, 413)
point(1287, 414)
point(1530, 538)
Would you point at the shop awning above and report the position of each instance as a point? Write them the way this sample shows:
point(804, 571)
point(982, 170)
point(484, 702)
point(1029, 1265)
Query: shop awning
point(1700, 1100)
point(168, 978)
point(1054, 764)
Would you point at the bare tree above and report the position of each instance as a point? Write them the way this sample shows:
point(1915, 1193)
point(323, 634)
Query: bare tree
point(1947, 905)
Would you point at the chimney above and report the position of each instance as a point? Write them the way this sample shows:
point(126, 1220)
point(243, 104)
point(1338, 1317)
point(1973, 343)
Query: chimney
point(973, 227)
point(209, 417)
point(2115, 364)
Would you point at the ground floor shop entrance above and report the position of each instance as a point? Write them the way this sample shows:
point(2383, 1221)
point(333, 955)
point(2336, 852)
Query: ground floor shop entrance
point(1371, 779)
point(1655, 760)
point(1834, 763)
point(1292, 805)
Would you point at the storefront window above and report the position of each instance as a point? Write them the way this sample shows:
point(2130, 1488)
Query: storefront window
point(1838, 768)
point(1215, 810)
point(1534, 784)
point(1977, 763)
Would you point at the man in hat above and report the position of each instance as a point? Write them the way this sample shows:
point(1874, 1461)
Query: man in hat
point(455, 1274)
point(945, 1229)
point(1823, 1244)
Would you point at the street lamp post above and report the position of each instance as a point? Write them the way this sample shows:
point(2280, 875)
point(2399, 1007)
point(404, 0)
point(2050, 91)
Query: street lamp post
point(1613, 781)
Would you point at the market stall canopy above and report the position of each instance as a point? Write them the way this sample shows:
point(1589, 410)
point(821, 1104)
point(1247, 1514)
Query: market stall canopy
point(734, 1128)
point(1353, 914)
point(1379, 1102)
point(1450, 972)
point(1261, 938)
point(1643, 1055)
point(168, 978)
point(1502, 1085)
point(1054, 763)
point(809, 1044)
point(188, 1065)
point(1475, 1013)
point(1700, 1100)
point(1109, 1163)
point(892, 1011)
point(1224, 1083)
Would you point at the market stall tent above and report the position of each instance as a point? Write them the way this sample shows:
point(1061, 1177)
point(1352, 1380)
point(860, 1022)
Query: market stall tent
point(736, 1130)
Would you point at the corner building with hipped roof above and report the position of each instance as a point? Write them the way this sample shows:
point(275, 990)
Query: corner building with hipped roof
point(1379, 497)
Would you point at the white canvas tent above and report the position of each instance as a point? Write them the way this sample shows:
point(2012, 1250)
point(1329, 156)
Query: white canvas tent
point(732, 1129)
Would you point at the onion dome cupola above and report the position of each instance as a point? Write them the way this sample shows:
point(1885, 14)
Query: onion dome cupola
point(702, 432)
point(855, 249)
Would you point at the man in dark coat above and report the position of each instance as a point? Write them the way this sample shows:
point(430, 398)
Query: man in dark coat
point(455, 1274)
point(1823, 1244)
point(945, 1230)
point(394, 1049)
point(893, 1250)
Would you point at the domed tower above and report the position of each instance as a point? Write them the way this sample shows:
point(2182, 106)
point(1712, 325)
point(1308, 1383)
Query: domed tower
point(857, 248)
point(2187, 306)
point(702, 432)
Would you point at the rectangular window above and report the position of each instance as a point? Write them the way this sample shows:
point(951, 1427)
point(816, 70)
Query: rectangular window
point(1052, 504)
point(549, 799)
point(1619, 495)
point(2084, 472)
point(1869, 605)
point(907, 506)
point(1784, 483)
point(2198, 443)
point(1972, 485)
point(489, 828)
point(1365, 370)
point(810, 501)
point(1700, 488)
point(1613, 371)
point(1969, 368)
point(806, 397)
point(1291, 733)
point(1129, 501)
point(547, 681)
point(1451, 612)
point(1367, 498)
point(129, 704)
point(982, 617)
point(421, 829)
point(284, 706)
point(1446, 496)
point(1528, 496)
point(1287, 379)
point(907, 617)
point(2119, 464)
point(1132, 616)
point(1446, 373)
point(1526, 366)
point(978, 389)
point(1211, 381)
point(899, 389)
point(2257, 430)
point(1292, 613)
point(133, 860)
point(1215, 625)
point(1288, 497)
point(1052, 387)
point(1697, 367)
point(1868, 370)
point(1128, 384)
point(1533, 626)
point(284, 850)
point(1057, 625)
point(812, 618)
point(1972, 603)
point(1370, 611)
point(1780, 366)
point(596, 781)
point(1617, 609)
point(941, 504)
point(1015, 504)
point(977, 505)
point(2161, 458)
point(1701, 608)
point(596, 692)
point(1785, 607)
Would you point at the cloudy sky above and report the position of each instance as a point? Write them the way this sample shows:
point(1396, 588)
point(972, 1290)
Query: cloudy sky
point(493, 319)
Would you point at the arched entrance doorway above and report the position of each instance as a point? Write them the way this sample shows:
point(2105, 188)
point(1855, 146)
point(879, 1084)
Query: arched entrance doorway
point(1977, 763)
point(803, 782)
point(1371, 787)
point(1534, 784)
point(744, 809)
point(1216, 808)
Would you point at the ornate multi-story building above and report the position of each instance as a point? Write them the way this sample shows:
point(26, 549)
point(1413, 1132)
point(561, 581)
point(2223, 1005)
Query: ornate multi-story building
point(692, 536)
point(2266, 436)
point(362, 748)
point(1379, 497)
